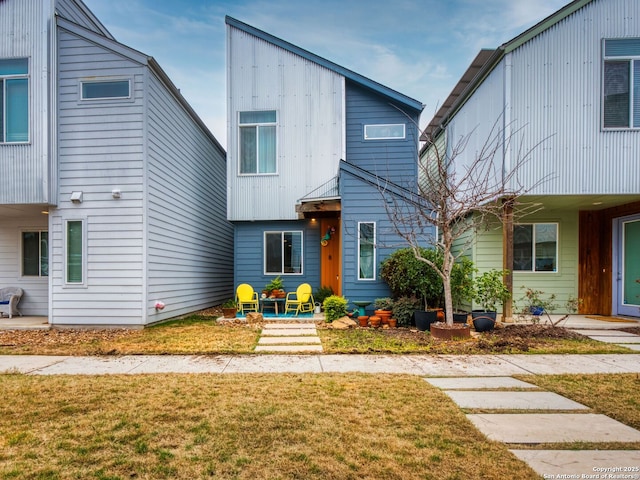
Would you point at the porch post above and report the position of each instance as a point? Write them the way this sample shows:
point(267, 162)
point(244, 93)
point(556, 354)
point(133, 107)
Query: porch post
point(507, 256)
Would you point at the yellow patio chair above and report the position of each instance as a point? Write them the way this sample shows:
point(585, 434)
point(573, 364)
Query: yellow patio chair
point(247, 298)
point(301, 301)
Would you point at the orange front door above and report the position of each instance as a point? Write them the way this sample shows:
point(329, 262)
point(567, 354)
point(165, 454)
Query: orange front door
point(330, 261)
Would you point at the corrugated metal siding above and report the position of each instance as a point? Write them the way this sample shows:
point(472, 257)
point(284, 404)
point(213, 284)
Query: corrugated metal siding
point(190, 242)
point(100, 148)
point(70, 10)
point(24, 169)
point(309, 104)
point(392, 159)
point(249, 253)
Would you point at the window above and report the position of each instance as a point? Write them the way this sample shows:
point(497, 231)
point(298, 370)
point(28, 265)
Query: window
point(384, 132)
point(283, 252)
point(366, 251)
point(94, 90)
point(14, 100)
point(535, 247)
point(35, 254)
point(74, 261)
point(258, 142)
point(621, 83)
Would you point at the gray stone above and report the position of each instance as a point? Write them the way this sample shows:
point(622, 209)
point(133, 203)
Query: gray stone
point(528, 428)
point(580, 463)
point(474, 383)
point(513, 400)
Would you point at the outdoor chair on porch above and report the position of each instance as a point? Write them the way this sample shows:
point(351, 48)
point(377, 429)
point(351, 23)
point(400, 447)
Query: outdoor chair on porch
point(301, 301)
point(9, 299)
point(247, 298)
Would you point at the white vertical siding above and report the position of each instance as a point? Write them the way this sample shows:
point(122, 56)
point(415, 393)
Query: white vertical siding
point(24, 169)
point(190, 243)
point(309, 103)
point(78, 13)
point(100, 147)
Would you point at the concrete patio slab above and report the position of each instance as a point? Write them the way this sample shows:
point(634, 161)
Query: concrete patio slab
point(529, 428)
point(580, 463)
point(287, 340)
point(27, 363)
point(181, 364)
point(561, 364)
point(24, 323)
point(616, 339)
point(513, 400)
point(273, 364)
point(366, 364)
point(475, 383)
point(288, 332)
point(461, 365)
point(288, 348)
point(93, 365)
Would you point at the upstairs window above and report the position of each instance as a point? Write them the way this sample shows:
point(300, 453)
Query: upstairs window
point(535, 247)
point(102, 89)
point(14, 100)
point(257, 142)
point(621, 83)
point(384, 132)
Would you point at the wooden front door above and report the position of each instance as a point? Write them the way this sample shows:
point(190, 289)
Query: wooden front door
point(330, 260)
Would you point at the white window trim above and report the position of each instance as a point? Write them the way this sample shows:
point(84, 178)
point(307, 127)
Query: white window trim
point(39, 230)
point(264, 252)
point(533, 252)
point(404, 131)
point(375, 252)
point(128, 98)
point(4, 95)
point(258, 125)
point(66, 283)
point(622, 58)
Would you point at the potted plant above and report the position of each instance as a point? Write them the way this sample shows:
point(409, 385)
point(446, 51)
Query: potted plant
point(274, 287)
point(229, 308)
point(462, 288)
point(384, 308)
point(489, 291)
point(536, 302)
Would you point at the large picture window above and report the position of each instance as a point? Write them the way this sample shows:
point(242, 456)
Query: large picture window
point(366, 251)
point(621, 83)
point(35, 254)
point(74, 252)
point(257, 142)
point(535, 247)
point(14, 100)
point(283, 253)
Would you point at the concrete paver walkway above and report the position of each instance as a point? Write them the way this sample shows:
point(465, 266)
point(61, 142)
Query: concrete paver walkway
point(289, 338)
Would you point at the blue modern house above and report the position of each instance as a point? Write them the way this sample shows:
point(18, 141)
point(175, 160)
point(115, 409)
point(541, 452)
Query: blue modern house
point(112, 196)
point(316, 153)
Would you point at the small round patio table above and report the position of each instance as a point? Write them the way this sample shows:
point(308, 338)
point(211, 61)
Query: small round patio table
point(361, 304)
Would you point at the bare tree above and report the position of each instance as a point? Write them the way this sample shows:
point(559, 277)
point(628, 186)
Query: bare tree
point(459, 195)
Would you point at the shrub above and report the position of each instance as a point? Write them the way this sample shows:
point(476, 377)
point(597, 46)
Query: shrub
point(403, 309)
point(321, 293)
point(383, 303)
point(335, 307)
point(409, 277)
point(462, 288)
point(490, 290)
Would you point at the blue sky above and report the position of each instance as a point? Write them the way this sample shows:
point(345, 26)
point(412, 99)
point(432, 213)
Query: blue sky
point(418, 47)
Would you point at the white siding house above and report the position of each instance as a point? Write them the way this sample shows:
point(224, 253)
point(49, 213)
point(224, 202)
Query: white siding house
point(553, 90)
point(117, 199)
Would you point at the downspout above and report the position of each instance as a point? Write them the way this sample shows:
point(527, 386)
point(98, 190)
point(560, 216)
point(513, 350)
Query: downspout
point(507, 214)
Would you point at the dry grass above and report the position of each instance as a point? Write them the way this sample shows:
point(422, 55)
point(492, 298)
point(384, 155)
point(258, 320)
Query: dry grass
point(242, 427)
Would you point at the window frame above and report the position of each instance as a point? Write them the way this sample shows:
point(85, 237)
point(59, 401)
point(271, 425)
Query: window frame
point(257, 126)
point(382, 125)
point(3, 102)
point(83, 81)
point(373, 249)
point(282, 234)
point(39, 232)
point(633, 65)
point(534, 269)
point(83, 253)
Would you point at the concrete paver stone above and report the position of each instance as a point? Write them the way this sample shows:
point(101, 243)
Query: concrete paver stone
point(528, 428)
point(293, 326)
point(513, 400)
point(27, 363)
point(459, 365)
point(288, 340)
point(367, 364)
point(474, 383)
point(631, 346)
point(288, 332)
point(617, 339)
point(605, 333)
point(561, 364)
point(580, 463)
point(274, 364)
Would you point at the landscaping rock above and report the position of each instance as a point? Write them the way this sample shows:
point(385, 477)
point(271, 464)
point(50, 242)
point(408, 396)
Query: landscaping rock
point(343, 323)
point(254, 317)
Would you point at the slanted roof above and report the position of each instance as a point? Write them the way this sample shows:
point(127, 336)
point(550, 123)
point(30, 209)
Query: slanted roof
point(485, 62)
point(360, 80)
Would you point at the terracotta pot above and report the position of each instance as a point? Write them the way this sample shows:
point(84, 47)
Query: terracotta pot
point(363, 321)
point(229, 312)
point(384, 315)
point(439, 314)
point(458, 331)
point(375, 321)
point(393, 323)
